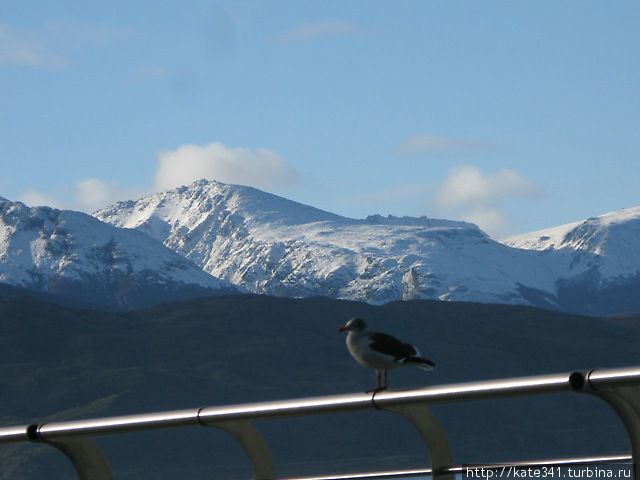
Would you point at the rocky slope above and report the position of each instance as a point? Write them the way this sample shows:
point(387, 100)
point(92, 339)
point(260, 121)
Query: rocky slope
point(271, 245)
point(75, 256)
point(596, 262)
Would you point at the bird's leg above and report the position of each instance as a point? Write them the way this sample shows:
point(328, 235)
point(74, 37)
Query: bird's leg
point(379, 385)
point(378, 382)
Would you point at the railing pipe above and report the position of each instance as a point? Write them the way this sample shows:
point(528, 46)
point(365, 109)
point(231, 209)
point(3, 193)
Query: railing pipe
point(14, 434)
point(119, 424)
point(314, 405)
point(439, 394)
point(619, 387)
point(459, 469)
point(611, 377)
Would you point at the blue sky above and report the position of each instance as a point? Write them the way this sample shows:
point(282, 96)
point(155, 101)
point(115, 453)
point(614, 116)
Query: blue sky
point(516, 115)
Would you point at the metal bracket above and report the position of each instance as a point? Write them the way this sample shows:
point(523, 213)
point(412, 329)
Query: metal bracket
point(625, 400)
point(432, 433)
point(86, 457)
point(254, 445)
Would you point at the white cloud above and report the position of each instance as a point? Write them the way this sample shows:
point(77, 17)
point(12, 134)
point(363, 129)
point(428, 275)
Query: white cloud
point(432, 144)
point(260, 167)
point(22, 49)
point(92, 194)
point(490, 219)
point(33, 198)
point(318, 30)
point(468, 186)
point(476, 196)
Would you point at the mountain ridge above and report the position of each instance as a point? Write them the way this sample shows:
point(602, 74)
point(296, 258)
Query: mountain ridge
point(74, 255)
point(610, 238)
point(275, 248)
point(244, 238)
point(258, 242)
point(596, 262)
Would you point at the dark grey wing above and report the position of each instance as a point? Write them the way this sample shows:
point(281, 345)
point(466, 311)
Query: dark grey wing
point(388, 345)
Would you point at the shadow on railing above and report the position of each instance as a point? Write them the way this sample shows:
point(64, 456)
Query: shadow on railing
point(620, 388)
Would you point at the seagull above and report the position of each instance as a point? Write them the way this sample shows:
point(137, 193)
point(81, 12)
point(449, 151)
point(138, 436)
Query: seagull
point(381, 351)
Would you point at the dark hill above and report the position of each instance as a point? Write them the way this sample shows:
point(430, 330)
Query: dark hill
point(59, 362)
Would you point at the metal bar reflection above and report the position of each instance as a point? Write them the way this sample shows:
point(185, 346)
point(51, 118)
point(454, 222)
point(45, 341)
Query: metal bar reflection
point(14, 434)
point(315, 405)
point(426, 472)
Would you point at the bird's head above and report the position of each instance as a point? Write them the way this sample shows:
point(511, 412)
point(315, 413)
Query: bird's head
point(353, 325)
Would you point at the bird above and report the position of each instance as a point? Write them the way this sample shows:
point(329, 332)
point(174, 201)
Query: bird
point(380, 351)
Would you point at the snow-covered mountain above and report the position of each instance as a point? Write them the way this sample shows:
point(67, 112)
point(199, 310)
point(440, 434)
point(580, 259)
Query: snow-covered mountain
point(239, 236)
point(268, 244)
point(596, 262)
point(610, 242)
point(77, 257)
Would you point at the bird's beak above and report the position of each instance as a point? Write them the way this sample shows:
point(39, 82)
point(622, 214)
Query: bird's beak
point(343, 328)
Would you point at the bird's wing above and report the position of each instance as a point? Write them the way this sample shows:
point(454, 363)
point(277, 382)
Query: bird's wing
point(388, 345)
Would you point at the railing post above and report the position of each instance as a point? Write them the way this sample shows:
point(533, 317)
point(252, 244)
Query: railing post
point(254, 445)
point(625, 400)
point(84, 454)
point(433, 435)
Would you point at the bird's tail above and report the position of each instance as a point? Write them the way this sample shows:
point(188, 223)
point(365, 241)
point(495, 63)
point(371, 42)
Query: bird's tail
point(420, 362)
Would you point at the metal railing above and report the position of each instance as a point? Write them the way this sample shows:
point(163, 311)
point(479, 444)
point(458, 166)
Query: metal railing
point(620, 388)
point(499, 467)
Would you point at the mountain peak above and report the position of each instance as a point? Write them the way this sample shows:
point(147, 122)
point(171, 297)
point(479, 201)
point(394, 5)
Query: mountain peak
point(602, 248)
point(190, 205)
point(268, 244)
point(589, 234)
point(618, 216)
point(76, 255)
